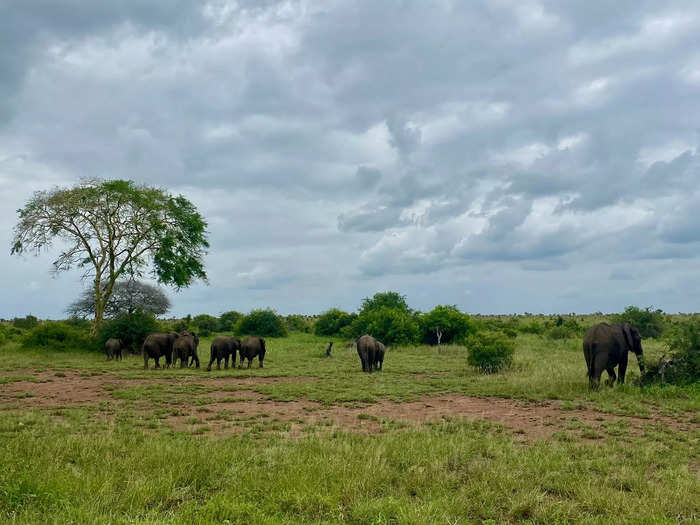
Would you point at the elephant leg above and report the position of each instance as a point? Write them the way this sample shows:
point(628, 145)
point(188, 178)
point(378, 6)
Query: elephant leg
point(145, 361)
point(598, 364)
point(364, 366)
point(612, 376)
point(622, 369)
point(260, 361)
point(226, 362)
point(157, 363)
point(250, 362)
point(183, 361)
point(195, 358)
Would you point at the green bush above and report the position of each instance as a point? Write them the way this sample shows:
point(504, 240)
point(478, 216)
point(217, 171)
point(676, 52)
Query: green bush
point(561, 332)
point(454, 325)
point(228, 320)
point(205, 324)
point(490, 352)
point(131, 328)
point(298, 323)
point(389, 325)
point(25, 323)
point(57, 335)
point(262, 323)
point(531, 327)
point(650, 323)
point(10, 333)
point(684, 343)
point(333, 321)
point(390, 300)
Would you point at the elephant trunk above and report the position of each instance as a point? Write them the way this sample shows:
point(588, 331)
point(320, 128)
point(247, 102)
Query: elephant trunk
point(640, 362)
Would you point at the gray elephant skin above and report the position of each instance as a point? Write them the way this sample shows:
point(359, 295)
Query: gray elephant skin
point(221, 348)
point(252, 347)
point(371, 353)
point(159, 345)
point(113, 347)
point(185, 348)
point(606, 346)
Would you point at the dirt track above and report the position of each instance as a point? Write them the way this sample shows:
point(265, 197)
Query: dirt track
point(232, 405)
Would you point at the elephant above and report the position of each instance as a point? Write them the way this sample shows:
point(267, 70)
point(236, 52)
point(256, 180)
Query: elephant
point(159, 345)
point(184, 348)
point(114, 347)
point(605, 346)
point(251, 347)
point(371, 353)
point(223, 347)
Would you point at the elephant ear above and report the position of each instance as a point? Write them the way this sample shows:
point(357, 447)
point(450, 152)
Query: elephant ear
point(627, 331)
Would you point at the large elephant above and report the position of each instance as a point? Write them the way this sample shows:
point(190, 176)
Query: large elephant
point(185, 347)
point(159, 345)
point(251, 347)
point(113, 347)
point(221, 348)
point(605, 346)
point(371, 353)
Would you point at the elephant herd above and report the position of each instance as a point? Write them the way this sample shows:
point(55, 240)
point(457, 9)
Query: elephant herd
point(605, 347)
point(183, 346)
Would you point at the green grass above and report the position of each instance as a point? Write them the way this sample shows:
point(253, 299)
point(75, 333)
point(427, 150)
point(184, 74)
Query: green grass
point(118, 461)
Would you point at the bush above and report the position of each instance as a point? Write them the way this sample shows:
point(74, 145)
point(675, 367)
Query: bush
point(388, 325)
point(490, 352)
point(532, 327)
point(25, 323)
point(57, 335)
point(10, 333)
point(228, 320)
point(684, 343)
point(454, 325)
point(333, 321)
point(561, 332)
point(262, 323)
point(298, 323)
point(391, 300)
point(205, 324)
point(650, 323)
point(131, 328)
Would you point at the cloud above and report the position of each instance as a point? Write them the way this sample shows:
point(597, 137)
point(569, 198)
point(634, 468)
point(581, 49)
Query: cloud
point(532, 148)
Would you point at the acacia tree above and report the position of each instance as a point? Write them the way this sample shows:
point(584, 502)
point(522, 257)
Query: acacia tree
point(113, 228)
point(127, 297)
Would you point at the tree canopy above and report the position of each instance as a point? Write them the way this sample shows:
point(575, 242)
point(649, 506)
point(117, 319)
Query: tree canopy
point(113, 228)
point(127, 297)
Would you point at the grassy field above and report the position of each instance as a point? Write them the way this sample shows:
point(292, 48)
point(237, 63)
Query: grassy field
point(310, 439)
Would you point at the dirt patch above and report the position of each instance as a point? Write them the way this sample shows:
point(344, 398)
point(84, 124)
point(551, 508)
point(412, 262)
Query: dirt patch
point(228, 405)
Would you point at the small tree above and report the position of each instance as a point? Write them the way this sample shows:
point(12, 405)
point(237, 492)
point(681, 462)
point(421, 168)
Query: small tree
point(388, 325)
point(113, 228)
point(393, 300)
point(205, 324)
point(228, 320)
point(131, 327)
point(490, 352)
point(445, 324)
point(332, 321)
point(127, 297)
point(262, 323)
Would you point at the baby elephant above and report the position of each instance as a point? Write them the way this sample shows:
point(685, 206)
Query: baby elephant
point(185, 347)
point(223, 347)
point(114, 347)
point(251, 347)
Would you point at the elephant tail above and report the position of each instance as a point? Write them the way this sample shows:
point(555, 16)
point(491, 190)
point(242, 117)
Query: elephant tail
point(591, 361)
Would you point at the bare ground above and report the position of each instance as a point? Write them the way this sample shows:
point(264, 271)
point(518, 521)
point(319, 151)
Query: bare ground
point(232, 405)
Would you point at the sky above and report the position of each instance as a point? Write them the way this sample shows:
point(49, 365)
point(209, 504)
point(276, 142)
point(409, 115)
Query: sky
point(500, 155)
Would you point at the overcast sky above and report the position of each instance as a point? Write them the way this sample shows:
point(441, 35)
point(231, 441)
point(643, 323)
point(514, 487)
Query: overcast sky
point(502, 155)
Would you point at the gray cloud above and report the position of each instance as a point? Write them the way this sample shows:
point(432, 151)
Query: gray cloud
point(528, 148)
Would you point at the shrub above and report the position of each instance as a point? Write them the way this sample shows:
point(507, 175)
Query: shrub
point(532, 327)
point(56, 335)
point(333, 321)
point(490, 352)
point(454, 325)
point(25, 323)
point(10, 333)
point(388, 325)
point(297, 323)
point(650, 323)
point(262, 323)
point(131, 328)
point(391, 300)
point(228, 320)
point(205, 324)
point(684, 343)
point(561, 332)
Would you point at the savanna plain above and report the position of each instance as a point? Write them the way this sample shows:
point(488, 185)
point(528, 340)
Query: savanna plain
point(312, 439)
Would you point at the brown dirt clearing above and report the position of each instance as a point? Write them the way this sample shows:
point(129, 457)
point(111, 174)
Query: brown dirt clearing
point(235, 406)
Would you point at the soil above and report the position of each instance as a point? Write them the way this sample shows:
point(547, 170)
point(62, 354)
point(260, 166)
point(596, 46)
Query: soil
point(232, 406)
